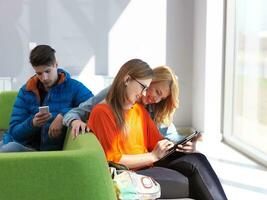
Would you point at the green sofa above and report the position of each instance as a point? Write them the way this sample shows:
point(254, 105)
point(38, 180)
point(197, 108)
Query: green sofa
point(7, 100)
point(80, 171)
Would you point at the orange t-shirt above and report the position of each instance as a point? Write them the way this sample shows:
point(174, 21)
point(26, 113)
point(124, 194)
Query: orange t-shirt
point(142, 136)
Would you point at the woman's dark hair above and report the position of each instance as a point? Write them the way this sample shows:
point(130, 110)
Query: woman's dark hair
point(42, 55)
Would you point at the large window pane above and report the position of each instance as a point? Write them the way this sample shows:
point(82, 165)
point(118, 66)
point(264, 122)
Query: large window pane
point(249, 75)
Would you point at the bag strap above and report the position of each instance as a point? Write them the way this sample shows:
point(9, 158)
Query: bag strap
point(117, 166)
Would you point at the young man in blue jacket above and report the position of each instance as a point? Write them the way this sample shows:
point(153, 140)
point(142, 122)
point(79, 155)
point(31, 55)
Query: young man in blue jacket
point(31, 129)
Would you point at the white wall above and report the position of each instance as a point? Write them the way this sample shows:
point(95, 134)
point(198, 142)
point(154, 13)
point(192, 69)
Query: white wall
point(95, 37)
point(91, 37)
point(198, 101)
point(213, 68)
point(194, 49)
point(180, 54)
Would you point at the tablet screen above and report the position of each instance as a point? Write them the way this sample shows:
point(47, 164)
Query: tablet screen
point(182, 141)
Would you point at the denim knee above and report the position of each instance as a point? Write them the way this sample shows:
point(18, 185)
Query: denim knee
point(13, 147)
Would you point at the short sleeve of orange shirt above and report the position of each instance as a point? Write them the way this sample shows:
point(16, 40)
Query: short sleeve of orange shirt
point(142, 134)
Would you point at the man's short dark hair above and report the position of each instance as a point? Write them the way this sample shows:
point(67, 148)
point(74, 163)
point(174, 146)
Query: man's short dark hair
point(42, 55)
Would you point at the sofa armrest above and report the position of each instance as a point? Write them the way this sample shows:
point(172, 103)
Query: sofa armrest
point(75, 173)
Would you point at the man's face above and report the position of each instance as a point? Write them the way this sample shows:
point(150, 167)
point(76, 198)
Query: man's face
point(47, 75)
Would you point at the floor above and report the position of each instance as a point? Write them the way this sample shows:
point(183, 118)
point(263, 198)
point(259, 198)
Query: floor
point(241, 178)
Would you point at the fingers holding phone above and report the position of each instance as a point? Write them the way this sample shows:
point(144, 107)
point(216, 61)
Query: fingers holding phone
point(41, 117)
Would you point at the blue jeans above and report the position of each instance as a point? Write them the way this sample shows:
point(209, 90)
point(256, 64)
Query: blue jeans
point(13, 147)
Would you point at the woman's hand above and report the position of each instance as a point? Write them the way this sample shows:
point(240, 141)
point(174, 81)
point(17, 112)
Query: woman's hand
point(161, 149)
point(77, 127)
point(188, 147)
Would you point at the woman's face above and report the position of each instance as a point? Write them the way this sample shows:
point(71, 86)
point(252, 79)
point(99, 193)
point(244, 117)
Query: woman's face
point(156, 92)
point(136, 88)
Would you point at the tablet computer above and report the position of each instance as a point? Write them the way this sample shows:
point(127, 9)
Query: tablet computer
point(184, 140)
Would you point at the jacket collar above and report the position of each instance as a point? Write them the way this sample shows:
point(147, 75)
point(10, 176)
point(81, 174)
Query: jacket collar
point(32, 83)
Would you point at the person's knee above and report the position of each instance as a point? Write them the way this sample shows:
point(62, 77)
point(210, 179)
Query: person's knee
point(6, 147)
point(200, 161)
point(195, 160)
point(200, 156)
point(11, 147)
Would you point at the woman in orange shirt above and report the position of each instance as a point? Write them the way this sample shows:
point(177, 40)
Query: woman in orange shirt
point(129, 137)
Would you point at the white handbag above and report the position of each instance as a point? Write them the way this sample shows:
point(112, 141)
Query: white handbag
point(133, 186)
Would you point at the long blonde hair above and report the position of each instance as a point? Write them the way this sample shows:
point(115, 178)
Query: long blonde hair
point(116, 96)
point(164, 110)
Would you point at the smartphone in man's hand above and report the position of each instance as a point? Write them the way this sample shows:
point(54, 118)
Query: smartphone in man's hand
point(44, 109)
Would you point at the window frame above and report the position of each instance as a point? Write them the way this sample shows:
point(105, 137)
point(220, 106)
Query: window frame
point(228, 115)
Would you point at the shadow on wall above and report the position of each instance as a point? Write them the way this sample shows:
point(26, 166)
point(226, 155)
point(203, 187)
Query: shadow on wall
point(11, 47)
point(77, 29)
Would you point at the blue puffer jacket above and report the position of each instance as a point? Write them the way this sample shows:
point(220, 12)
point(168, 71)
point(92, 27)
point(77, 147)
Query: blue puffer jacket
point(65, 95)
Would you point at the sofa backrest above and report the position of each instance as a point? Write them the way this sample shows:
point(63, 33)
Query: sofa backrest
point(93, 165)
point(80, 171)
point(7, 100)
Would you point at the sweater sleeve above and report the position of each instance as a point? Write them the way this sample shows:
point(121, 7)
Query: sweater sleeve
point(153, 135)
point(84, 108)
point(102, 123)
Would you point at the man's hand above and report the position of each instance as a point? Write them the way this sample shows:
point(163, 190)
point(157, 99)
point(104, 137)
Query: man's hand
point(40, 119)
point(77, 127)
point(56, 126)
